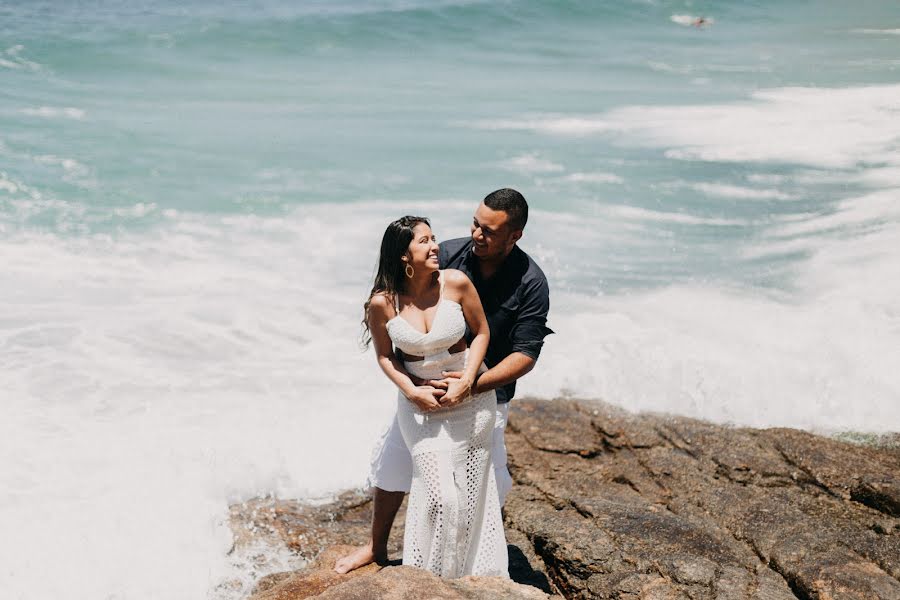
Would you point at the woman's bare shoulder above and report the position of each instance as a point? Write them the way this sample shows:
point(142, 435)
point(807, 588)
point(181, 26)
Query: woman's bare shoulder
point(381, 303)
point(456, 278)
point(457, 285)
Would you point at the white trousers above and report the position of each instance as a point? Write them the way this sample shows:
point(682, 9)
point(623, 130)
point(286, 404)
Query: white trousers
point(391, 468)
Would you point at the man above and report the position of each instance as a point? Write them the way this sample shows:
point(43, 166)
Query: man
point(516, 299)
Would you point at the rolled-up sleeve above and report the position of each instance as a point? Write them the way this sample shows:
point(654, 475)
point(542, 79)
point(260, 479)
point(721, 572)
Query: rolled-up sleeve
point(528, 333)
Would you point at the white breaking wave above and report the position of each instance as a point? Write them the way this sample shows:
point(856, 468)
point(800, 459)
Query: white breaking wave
point(877, 31)
point(633, 212)
point(819, 127)
point(819, 357)
point(527, 164)
point(142, 372)
point(70, 165)
point(51, 112)
point(12, 59)
point(743, 193)
point(664, 67)
point(18, 189)
point(575, 126)
point(881, 177)
point(8, 185)
point(141, 375)
point(871, 210)
point(139, 210)
point(593, 178)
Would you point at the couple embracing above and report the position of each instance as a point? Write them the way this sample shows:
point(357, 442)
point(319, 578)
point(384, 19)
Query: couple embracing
point(453, 326)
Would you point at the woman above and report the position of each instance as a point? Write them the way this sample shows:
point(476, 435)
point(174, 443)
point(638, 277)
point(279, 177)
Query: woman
point(453, 522)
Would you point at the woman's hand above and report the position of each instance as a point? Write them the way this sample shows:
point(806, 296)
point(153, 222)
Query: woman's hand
point(426, 398)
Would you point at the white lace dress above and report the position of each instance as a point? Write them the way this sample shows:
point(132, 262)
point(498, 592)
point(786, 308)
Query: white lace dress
point(453, 522)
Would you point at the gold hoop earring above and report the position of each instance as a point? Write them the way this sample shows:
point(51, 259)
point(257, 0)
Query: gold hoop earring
point(410, 271)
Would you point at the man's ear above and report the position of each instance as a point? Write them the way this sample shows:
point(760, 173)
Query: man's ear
point(516, 235)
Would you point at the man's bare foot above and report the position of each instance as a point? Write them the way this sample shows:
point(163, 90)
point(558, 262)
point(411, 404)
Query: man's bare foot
point(360, 557)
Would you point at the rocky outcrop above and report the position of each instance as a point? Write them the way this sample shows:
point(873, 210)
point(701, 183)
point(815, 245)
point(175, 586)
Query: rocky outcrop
point(607, 504)
point(389, 583)
point(644, 506)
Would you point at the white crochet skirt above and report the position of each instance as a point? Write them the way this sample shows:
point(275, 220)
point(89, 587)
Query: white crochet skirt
point(453, 522)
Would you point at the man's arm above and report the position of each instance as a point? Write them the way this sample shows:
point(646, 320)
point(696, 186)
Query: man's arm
point(509, 369)
point(527, 337)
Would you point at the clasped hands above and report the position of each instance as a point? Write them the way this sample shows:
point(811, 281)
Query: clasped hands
point(435, 394)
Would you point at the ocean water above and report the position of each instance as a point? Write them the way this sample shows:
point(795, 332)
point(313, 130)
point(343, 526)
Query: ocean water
point(192, 195)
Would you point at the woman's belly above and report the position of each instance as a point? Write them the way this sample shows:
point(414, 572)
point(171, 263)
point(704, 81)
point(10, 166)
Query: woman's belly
point(457, 347)
point(431, 369)
point(463, 425)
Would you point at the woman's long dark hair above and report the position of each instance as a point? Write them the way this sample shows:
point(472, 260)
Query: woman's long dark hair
point(390, 276)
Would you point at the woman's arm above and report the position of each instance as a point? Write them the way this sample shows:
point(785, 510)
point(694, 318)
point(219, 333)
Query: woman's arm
point(425, 397)
point(458, 390)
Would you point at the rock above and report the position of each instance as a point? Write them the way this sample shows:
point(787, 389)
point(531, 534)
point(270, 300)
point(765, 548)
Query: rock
point(862, 474)
point(678, 508)
point(308, 529)
point(408, 583)
point(608, 504)
point(373, 582)
point(312, 581)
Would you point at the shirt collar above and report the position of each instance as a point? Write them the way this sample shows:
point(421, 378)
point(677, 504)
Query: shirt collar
point(475, 267)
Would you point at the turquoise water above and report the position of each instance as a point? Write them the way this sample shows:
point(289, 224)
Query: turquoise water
point(192, 194)
point(265, 107)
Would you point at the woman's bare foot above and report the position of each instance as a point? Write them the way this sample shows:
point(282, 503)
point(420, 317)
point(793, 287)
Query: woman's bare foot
point(360, 557)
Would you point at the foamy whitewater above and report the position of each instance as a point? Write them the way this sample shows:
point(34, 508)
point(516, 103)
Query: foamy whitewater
point(192, 196)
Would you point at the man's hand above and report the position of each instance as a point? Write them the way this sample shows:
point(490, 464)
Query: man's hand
point(458, 391)
point(506, 371)
point(427, 398)
point(440, 384)
point(451, 376)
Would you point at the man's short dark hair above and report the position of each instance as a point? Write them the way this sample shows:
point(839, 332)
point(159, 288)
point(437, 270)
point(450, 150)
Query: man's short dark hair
point(512, 203)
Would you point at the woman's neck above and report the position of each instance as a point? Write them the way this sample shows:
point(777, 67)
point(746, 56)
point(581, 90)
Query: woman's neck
point(418, 284)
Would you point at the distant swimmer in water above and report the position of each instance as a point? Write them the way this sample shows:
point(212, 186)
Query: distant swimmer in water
point(692, 21)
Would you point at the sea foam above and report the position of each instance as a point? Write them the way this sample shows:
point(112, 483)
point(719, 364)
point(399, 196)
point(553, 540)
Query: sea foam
point(157, 377)
point(806, 126)
point(52, 112)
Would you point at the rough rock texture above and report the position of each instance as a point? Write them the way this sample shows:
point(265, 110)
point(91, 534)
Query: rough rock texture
point(307, 529)
point(650, 507)
point(392, 582)
point(608, 504)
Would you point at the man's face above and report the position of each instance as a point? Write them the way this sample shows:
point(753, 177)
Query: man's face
point(492, 236)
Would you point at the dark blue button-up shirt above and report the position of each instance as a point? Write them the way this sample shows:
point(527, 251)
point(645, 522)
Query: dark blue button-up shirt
point(516, 301)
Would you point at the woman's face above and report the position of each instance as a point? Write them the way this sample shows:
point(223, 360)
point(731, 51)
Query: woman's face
point(423, 249)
